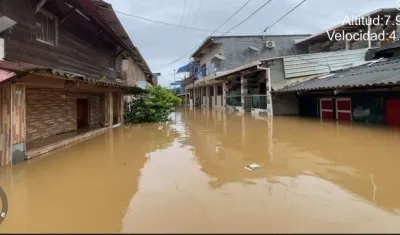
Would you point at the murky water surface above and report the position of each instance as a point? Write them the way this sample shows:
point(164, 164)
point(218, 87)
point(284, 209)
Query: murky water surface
point(189, 176)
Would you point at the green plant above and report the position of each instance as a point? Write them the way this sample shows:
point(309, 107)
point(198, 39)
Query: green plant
point(154, 105)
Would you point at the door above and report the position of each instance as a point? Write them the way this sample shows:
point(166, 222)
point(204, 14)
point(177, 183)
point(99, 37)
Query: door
point(82, 112)
point(392, 107)
point(343, 109)
point(326, 108)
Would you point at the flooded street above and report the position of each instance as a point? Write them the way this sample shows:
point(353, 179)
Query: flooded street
point(188, 176)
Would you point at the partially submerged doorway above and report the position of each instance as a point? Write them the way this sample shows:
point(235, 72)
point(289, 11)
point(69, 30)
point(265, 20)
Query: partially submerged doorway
point(82, 112)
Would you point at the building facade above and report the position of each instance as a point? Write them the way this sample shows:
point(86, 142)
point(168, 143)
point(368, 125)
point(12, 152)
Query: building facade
point(61, 74)
point(249, 78)
point(220, 54)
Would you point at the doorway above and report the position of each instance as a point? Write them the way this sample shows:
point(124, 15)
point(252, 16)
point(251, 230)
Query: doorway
point(82, 112)
point(343, 109)
point(326, 108)
point(393, 112)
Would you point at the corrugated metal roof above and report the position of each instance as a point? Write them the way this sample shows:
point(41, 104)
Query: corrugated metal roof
point(383, 73)
point(220, 74)
point(10, 69)
point(74, 76)
point(18, 66)
point(324, 62)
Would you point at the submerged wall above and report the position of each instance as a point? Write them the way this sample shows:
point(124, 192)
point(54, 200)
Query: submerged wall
point(51, 113)
point(366, 107)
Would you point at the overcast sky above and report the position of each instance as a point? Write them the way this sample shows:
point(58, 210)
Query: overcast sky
point(161, 44)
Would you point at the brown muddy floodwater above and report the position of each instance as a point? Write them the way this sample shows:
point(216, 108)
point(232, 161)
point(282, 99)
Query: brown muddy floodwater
point(188, 176)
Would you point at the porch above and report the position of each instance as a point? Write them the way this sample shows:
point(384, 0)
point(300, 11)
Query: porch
point(41, 113)
point(247, 92)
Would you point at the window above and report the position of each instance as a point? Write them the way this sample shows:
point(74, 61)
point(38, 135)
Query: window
point(203, 70)
point(46, 28)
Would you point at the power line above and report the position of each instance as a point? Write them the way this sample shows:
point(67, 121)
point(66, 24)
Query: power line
point(197, 12)
point(259, 34)
point(190, 9)
point(188, 52)
point(247, 18)
point(161, 22)
point(183, 11)
point(233, 15)
point(268, 27)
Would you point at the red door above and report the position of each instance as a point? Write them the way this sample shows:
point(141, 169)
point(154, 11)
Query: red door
point(326, 108)
point(393, 112)
point(343, 109)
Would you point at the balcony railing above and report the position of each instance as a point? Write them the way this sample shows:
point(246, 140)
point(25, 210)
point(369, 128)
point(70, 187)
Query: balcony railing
point(259, 101)
point(200, 72)
point(235, 100)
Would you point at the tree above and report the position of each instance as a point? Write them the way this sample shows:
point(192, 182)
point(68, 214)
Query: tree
point(154, 105)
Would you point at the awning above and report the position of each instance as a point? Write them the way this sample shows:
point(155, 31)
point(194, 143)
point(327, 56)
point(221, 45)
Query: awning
point(185, 68)
point(5, 74)
point(218, 56)
point(176, 83)
point(253, 48)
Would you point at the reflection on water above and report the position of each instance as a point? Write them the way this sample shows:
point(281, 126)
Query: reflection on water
point(188, 175)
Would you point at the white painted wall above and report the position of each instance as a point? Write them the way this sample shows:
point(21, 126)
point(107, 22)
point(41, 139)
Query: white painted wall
point(211, 52)
point(219, 103)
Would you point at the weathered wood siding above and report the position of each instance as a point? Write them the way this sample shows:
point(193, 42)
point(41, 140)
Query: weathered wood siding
point(121, 109)
point(72, 52)
point(133, 71)
point(12, 119)
point(19, 105)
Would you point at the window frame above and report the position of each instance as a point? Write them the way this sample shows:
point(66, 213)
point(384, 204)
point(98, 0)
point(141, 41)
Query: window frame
point(49, 16)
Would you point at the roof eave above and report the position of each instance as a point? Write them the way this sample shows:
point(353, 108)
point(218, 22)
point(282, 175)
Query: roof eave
point(205, 44)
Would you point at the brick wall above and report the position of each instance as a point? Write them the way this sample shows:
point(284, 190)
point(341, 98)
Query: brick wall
point(49, 113)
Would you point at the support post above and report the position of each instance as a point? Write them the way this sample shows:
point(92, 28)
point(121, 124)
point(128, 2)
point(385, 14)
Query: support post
point(121, 108)
point(207, 96)
point(201, 96)
point(215, 95)
point(223, 103)
point(108, 116)
point(13, 128)
point(243, 89)
point(270, 108)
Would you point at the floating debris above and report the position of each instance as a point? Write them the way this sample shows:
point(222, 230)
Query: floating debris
point(3, 215)
point(252, 167)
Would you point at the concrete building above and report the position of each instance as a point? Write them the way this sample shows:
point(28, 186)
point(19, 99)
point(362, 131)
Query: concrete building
point(219, 54)
point(244, 79)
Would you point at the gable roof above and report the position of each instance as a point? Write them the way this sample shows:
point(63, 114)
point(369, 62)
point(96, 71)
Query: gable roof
point(104, 15)
point(108, 14)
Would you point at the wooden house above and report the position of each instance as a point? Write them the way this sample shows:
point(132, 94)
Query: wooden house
point(61, 77)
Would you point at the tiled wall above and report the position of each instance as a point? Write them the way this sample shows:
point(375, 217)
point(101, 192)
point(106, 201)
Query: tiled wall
point(51, 113)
